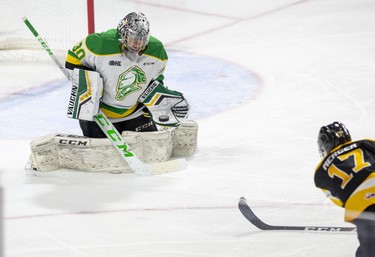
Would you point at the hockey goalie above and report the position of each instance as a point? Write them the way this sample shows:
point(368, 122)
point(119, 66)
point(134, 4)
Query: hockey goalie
point(121, 73)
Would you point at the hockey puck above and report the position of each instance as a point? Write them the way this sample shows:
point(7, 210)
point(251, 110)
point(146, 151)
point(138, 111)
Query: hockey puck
point(163, 118)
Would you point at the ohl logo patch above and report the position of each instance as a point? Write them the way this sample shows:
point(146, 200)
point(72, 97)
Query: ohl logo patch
point(129, 82)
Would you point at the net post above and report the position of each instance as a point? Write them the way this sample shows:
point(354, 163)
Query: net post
point(90, 16)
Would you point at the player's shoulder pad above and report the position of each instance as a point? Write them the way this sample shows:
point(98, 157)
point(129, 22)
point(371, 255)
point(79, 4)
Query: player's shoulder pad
point(368, 140)
point(104, 43)
point(155, 48)
point(367, 143)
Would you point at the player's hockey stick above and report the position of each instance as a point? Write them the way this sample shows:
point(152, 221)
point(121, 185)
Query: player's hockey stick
point(250, 216)
point(111, 132)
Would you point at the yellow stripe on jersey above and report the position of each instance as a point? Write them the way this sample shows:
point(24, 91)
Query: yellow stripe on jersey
point(116, 115)
point(361, 198)
point(73, 60)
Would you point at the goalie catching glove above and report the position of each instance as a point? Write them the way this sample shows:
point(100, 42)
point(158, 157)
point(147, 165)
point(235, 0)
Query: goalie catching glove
point(167, 107)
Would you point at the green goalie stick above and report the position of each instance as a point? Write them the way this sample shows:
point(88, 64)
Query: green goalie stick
point(109, 130)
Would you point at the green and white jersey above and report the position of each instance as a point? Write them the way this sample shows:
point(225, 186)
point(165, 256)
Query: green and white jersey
point(125, 76)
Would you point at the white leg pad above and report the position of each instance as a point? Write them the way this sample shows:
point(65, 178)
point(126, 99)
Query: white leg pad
point(185, 138)
point(44, 153)
point(58, 151)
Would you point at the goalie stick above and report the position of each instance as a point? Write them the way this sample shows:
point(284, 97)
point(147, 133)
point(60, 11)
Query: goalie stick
point(111, 132)
point(250, 216)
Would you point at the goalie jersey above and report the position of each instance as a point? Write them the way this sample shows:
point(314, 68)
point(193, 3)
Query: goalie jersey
point(347, 176)
point(125, 76)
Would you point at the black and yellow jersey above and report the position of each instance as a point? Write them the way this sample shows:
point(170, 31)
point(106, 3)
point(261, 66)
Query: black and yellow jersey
point(347, 176)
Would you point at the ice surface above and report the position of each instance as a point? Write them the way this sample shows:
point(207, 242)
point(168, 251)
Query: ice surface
point(286, 68)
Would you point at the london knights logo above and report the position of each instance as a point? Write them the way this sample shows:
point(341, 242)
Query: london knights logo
point(129, 82)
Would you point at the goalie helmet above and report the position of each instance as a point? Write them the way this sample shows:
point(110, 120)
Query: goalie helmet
point(134, 32)
point(331, 136)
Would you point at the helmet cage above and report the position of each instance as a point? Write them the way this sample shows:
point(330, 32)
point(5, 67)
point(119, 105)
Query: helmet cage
point(135, 43)
point(134, 31)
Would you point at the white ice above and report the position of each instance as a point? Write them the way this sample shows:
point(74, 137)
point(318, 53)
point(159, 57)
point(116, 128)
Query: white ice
point(290, 66)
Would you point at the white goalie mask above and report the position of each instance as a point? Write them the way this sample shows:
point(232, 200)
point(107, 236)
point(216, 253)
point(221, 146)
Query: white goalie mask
point(134, 32)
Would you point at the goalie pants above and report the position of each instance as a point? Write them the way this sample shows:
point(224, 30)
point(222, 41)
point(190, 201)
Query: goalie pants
point(366, 233)
point(141, 123)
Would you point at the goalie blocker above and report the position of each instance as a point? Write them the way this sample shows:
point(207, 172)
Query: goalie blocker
point(87, 90)
point(58, 151)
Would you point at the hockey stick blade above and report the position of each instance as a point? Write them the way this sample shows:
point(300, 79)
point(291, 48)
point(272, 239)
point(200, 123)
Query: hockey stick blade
point(250, 216)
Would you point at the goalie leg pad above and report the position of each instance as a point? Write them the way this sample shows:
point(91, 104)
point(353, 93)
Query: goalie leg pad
point(157, 145)
point(185, 138)
point(44, 154)
point(58, 151)
point(98, 154)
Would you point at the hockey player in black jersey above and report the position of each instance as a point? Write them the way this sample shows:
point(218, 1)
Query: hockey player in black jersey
point(347, 176)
